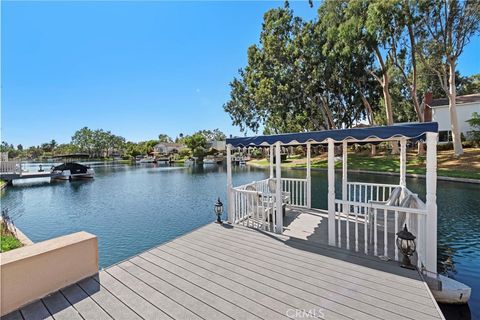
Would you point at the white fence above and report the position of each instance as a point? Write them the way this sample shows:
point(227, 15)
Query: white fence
point(254, 204)
point(364, 192)
point(365, 223)
point(10, 167)
point(296, 190)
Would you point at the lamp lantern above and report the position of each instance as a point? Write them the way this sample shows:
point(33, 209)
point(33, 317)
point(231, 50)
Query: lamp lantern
point(218, 209)
point(406, 244)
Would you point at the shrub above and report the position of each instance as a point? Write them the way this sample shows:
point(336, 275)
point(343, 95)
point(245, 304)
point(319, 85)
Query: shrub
point(299, 151)
point(256, 153)
point(183, 153)
point(445, 146)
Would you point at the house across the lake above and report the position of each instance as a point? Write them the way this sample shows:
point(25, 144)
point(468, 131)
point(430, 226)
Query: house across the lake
point(167, 148)
point(466, 105)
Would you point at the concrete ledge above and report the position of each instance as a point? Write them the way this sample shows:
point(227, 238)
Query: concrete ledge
point(34, 271)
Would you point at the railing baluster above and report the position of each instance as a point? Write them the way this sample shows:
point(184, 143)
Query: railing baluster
point(365, 230)
point(346, 211)
point(339, 228)
point(396, 230)
point(385, 234)
point(375, 252)
point(356, 228)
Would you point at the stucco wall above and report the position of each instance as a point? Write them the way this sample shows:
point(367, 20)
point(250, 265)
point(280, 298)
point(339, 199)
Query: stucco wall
point(32, 272)
point(464, 113)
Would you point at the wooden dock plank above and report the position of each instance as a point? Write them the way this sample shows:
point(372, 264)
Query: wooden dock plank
point(234, 272)
point(217, 302)
point(85, 305)
point(183, 298)
point(238, 284)
point(284, 299)
point(325, 286)
point(233, 297)
point(112, 305)
point(142, 307)
point(15, 315)
point(60, 308)
point(340, 259)
point(236, 267)
point(308, 273)
point(327, 297)
point(169, 306)
point(368, 265)
point(35, 311)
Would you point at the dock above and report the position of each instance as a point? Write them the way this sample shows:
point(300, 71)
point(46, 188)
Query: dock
point(235, 272)
point(12, 170)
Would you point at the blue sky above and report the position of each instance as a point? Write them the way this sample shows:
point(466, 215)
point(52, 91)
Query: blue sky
point(137, 69)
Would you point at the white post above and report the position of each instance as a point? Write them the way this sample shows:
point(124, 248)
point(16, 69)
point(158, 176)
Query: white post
point(278, 191)
point(271, 161)
point(431, 198)
point(403, 162)
point(309, 176)
point(229, 184)
point(344, 170)
point(331, 192)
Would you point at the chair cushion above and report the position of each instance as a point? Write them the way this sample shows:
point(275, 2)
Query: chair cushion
point(394, 198)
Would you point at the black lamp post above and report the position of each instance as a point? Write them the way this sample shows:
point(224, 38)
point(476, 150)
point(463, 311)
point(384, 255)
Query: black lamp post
point(218, 208)
point(406, 244)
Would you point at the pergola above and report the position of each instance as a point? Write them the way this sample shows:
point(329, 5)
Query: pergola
point(350, 196)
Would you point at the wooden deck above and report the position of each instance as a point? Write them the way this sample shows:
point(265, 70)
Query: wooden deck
point(225, 272)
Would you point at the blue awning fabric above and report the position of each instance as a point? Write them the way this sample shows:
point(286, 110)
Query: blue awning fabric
point(411, 131)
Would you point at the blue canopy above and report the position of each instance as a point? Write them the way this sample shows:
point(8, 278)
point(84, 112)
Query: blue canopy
point(414, 131)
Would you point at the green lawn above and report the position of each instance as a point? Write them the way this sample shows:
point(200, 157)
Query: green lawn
point(9, 243)
point(464, 167)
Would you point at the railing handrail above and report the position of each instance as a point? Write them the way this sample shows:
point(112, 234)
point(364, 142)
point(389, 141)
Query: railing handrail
point(375, 205)
point(293, 179)
point(372, 184)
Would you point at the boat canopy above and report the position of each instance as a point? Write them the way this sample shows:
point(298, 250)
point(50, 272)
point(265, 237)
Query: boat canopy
point(413, 131)
point(72, 155)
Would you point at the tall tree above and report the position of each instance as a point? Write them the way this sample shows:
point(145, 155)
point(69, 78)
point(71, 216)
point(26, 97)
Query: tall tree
point(447, 26)
point(164, 138)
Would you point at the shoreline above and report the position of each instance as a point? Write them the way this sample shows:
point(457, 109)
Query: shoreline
point(409, 175)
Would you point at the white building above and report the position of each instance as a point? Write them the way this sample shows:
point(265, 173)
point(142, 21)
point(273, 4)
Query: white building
point(466, 105)
point(167, 148)
point(217, 145)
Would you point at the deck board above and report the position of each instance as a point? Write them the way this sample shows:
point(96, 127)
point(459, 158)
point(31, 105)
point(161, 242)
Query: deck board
point(335, 285)
point(36, 311)
point(59, 306)
point(225, 272)
point(84, 304)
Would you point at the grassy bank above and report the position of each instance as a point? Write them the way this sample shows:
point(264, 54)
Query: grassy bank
point(467, 166)
point(7, 239)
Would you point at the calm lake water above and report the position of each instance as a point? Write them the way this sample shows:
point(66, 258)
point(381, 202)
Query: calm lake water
point(134, 208)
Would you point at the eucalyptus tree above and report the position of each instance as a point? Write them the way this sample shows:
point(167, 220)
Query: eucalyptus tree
point(271, 90)
point(164, 138)
point(446, 28)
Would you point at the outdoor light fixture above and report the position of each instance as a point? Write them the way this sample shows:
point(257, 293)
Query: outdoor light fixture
point(218, 208)
point(406, 244)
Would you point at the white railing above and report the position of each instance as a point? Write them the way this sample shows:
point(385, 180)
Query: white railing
point(254, 209)
point(296, 190)
point(369, 225)
point(10, 167)
point(364, 192)
point(254, 203)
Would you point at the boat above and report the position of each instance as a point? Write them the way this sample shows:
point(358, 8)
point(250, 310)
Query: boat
point(189, 162)
point(451, 291)
point(212, 160)
point(147, 160)
point(209, 160)
point(72, 170)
